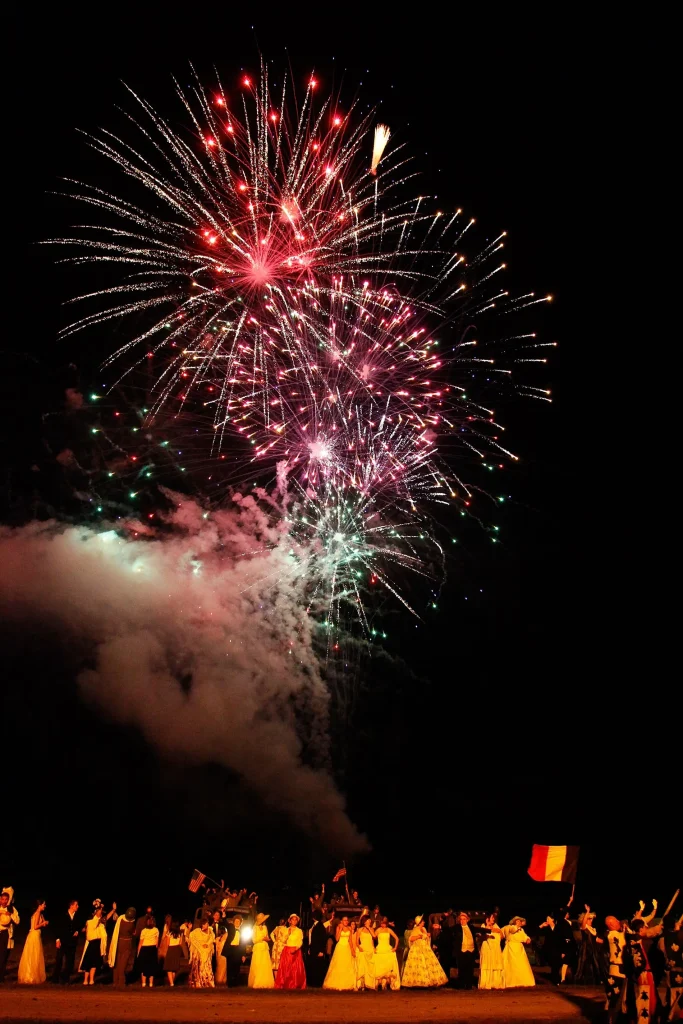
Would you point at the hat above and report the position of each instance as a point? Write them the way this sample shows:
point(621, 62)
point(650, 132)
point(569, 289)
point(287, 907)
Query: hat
point(260, 918)
point(130, 914)
point(10, 892)
point(514, 920)
point(97, 904)
point(293, 915)
point(419, 919)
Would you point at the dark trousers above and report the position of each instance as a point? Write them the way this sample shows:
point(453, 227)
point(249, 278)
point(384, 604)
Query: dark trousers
point(316, 969)
point(64, 964)
point(4, 953)
point(234, 964)
point(465, 965)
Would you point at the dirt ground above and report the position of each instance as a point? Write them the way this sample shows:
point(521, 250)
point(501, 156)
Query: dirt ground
point(99, 1005)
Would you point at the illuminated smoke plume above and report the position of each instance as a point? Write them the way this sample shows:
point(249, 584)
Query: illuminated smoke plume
point(197, 639)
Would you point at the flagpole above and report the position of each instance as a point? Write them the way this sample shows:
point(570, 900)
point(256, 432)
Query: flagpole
point(346, 882)
point(671, 902)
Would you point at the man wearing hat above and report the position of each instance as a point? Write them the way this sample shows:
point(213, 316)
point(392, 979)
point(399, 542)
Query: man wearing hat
point(121, 953)
point(8, 918)
point(66, 940)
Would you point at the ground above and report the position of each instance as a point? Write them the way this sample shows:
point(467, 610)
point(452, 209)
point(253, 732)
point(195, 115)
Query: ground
point(102, 1004)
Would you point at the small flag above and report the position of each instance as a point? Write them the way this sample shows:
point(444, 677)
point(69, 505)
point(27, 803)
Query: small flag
point(554, 863)
point(196, 880)
point(340, 874)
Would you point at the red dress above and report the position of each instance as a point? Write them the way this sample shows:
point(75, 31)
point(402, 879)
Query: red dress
point(291, 972)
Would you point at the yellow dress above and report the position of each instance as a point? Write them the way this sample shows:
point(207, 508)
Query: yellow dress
point(365, 960)
point(386, 961)
point(260, 969)
point(32, 963)
point(516, 967)
point(422, 969)
point(341, 974)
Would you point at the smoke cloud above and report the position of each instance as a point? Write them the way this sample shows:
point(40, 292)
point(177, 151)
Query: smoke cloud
point(198, 637)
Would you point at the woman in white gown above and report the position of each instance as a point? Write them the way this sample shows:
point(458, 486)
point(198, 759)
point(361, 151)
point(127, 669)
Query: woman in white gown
point(516, 967)
point(341, 974)
point(386, 961)
point(260, 969)
point(422, 969)
point(491, 956)
point(32, 963)
point(365, 954)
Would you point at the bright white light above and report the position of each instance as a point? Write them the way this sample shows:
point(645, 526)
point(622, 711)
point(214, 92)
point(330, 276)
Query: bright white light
point(246, 932)
point(319, 450)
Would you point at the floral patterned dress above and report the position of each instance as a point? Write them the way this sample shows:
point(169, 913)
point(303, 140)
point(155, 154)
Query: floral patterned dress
point(422, 969)
point(201, 948)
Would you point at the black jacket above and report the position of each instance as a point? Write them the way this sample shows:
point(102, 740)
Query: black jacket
point(456, 933)
point(318, 940)
point(64, 929)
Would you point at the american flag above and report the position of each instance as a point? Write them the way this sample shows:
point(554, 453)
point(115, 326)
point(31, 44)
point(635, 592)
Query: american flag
point(196, 880)
point(340, 874)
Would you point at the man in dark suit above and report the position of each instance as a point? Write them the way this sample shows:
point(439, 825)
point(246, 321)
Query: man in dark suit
point(233, 951)
point(66, 940)
point(464, 951)
point(316, 957)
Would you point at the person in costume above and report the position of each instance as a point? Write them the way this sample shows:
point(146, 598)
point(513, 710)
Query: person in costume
point(148, 952)
point(516, 967)
point(365, 954)
point(671, 946)
point(590, 968)
point(95, 947)
point(386, 961)
point(278, 937)
point(201, 950)
point(32, 963)
point(491, 955)
point(121, 958)
point(291, 973)
point(66, 940)
point(260, 969)
point(234, 951)
point(174, 952)
point(342, 973)
point(316, 956)
point(642, 998)
point(8, 919)
point(422, 969)
point(464, 950)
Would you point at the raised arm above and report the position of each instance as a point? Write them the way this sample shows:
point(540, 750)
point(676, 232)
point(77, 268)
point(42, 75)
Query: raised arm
point(394, 936)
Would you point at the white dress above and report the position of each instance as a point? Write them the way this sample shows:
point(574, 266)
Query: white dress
point(341, 974)
point(32, 963)
point(260, 969)
point(516, 967)
point(365, 960)
point(491, 961)
point(386, 961)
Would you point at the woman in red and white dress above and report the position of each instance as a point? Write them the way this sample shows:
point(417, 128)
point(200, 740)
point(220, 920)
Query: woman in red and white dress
point(291, 972)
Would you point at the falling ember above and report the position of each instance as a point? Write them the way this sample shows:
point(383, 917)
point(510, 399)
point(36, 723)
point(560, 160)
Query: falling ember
point(382, 134)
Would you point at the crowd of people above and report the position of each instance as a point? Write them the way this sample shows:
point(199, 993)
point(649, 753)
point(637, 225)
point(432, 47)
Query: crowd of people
point(350, 948)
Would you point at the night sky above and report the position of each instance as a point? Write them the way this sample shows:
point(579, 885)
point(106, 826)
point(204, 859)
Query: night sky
point(533, 706)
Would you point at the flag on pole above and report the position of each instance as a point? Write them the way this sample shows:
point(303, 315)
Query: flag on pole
point(340, 874)
point(554, 863)
point(196, 880)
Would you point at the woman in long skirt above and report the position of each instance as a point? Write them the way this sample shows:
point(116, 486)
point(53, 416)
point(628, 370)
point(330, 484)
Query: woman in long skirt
point(422, 969)
point(201, 950)
point(291, 973)
point(365, 954)
point(32, 963)
point(95, 947)
point(491, 956)
point(386, 960)
point(260, 969)
point(516, 967)
point(278, 937)
point(342, 972)
point(148, 952)
point(120, 957)
point(174, 952)
point(590, 969)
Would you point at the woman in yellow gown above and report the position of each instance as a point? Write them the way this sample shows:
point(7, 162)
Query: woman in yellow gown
point(260, 969)
point(32, 963)
point(422, 969)
point(386, 961)
point(516, 967)
point(341, 974)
